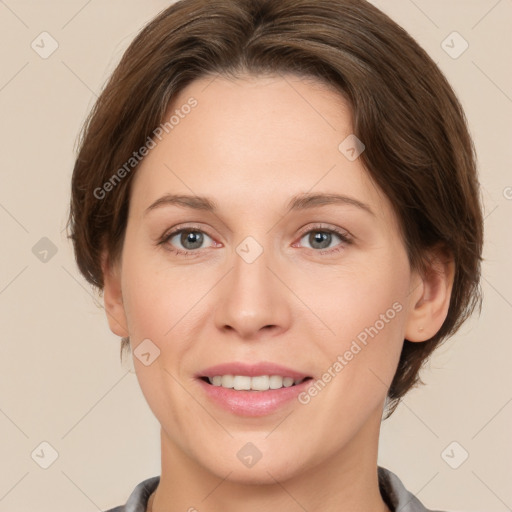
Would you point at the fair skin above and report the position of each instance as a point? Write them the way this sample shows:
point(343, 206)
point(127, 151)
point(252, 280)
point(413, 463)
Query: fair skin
point(250, 145)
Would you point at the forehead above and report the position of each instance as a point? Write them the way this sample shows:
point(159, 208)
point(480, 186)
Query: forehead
point(254, 139)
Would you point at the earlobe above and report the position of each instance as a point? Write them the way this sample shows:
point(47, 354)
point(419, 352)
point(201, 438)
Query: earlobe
point(431, 298)
point(113, 298)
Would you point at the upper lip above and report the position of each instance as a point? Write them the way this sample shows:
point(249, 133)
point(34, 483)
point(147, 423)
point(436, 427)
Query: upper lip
point(251, 370)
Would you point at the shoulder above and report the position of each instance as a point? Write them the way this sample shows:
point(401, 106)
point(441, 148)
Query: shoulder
point(398, 498)
point(138, 499)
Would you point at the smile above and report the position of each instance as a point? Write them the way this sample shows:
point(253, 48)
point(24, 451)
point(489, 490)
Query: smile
point(257, 383)
point(253, 402)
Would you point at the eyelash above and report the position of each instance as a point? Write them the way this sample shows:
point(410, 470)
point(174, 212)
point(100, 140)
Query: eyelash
point(344, 236)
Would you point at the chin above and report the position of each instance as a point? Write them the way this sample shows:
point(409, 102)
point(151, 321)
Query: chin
point(262, 475)
point(263, 471)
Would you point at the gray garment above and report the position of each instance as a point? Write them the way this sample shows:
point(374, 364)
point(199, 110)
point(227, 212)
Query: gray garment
point(396, 496)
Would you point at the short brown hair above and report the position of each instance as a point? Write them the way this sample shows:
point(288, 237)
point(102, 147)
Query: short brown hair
point(418, 148)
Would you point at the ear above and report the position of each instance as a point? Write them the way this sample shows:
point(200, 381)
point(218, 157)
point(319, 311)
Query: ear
point(430, 296)
point(113, 298)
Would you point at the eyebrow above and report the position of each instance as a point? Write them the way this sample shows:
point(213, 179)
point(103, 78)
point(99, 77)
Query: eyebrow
point(298, 202)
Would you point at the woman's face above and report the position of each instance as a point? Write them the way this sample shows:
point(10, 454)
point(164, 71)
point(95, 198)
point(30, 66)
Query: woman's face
point(269, 271)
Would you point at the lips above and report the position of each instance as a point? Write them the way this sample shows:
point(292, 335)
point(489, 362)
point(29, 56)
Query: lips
point(253, 403)
point(252, 370)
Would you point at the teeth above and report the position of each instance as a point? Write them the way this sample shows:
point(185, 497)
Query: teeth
point(259, 383)
point(227, 381)
point(241, 383)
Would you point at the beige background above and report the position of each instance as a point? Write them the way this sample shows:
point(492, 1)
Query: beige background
point(61, 379)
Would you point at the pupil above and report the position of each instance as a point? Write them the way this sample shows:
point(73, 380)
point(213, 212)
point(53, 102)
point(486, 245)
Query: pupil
point(322, 238)
point(192, 237)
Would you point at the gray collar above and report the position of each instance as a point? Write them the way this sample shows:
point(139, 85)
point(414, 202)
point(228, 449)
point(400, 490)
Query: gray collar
point(396, 496)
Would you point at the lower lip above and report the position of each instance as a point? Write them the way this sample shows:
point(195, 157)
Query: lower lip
point(253, 403)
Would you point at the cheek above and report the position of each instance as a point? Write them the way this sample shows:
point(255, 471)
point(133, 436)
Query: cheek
point(154, 298)
point(365, 312)
point(352, 300)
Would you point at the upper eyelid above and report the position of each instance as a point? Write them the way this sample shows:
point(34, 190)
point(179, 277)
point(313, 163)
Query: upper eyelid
point(177, 229)
point(320, 227)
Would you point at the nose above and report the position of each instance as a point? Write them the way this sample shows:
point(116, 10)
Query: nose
point(252, 300)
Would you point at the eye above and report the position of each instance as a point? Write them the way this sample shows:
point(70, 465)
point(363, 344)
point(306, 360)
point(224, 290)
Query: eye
point(187, 240)
point(322, 238)
point(190, 240)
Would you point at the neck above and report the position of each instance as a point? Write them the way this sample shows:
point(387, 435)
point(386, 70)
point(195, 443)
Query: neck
point(345, 481)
